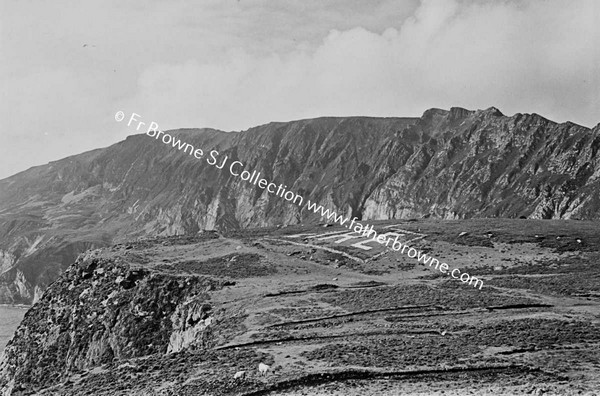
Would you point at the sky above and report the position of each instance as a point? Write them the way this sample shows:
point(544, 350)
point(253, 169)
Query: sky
point(68, 66)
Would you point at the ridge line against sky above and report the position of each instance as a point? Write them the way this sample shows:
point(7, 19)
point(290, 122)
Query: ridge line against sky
point(232, 65)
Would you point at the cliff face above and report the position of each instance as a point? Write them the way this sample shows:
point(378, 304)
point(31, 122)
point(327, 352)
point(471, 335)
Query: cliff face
point(449, 164)
point(109, 306)
point(485, 164)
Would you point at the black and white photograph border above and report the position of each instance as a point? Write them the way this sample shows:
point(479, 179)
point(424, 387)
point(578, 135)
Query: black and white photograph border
point(333, 198)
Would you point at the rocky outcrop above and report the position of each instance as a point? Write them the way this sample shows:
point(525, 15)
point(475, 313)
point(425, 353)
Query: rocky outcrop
point(485, 164)
point(7, 260)
point(191, 322)
point(450, 164)
point(104, 309)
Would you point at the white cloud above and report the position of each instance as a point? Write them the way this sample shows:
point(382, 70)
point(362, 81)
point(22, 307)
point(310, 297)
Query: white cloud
point(539, 56)
point(236, 64)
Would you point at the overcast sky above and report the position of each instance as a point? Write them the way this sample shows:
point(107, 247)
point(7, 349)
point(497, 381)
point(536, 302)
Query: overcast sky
point(68, 66)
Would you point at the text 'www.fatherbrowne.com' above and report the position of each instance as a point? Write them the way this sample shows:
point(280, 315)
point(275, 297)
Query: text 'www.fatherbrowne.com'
point(236, 168)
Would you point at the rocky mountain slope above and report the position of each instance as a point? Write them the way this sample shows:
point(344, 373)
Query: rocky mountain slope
point(448, 164)
point(182, 315)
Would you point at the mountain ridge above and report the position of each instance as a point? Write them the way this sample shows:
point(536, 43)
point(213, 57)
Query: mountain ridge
point(451, 164)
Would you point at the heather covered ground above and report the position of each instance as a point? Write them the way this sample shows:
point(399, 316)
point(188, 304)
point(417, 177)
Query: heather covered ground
point(367, 322)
